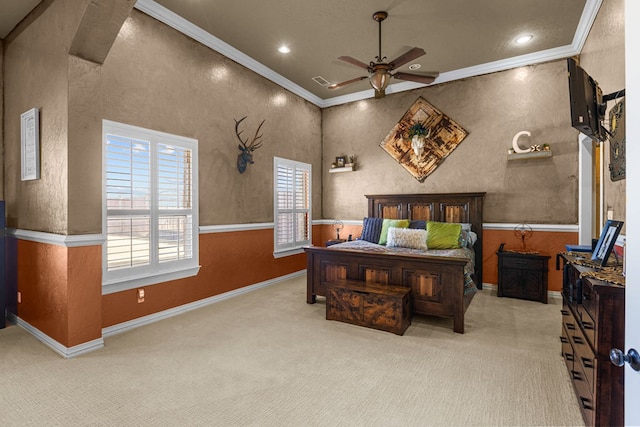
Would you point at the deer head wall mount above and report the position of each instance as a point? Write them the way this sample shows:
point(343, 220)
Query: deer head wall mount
point(246, 149)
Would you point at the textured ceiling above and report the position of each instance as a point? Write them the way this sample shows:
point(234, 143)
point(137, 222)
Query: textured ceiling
point(461, 37)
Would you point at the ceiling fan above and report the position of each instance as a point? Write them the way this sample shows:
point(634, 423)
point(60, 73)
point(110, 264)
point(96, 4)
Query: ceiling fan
point(380, 71)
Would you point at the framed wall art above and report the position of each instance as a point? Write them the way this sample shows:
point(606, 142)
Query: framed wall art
point(439, 136)
point(617, 142)
point(30, 145)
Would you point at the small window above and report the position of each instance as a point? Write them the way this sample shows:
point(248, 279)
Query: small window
point(292, 206)
point(150, 217)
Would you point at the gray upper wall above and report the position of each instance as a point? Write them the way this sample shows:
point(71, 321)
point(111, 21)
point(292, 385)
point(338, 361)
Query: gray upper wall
point(492, 109)
point(153, 77)
point(603, 58)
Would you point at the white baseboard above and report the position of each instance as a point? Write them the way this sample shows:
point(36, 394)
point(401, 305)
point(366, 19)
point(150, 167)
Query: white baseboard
point(69, 352)
point(550, 294)
point(64, 351)
point(145, 320)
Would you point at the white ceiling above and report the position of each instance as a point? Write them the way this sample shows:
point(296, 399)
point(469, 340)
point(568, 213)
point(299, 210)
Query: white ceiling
point(462, 38)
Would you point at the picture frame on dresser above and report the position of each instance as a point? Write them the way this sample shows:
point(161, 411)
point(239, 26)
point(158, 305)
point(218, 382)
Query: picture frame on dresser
point(606, 242)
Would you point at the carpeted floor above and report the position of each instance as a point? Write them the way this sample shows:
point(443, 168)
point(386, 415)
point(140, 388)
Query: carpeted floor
point(267, 358)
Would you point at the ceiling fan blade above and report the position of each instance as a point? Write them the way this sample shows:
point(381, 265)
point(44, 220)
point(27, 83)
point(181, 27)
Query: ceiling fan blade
point(415, 77)
point(348, 82)
point(354, 61)
point(414, 53)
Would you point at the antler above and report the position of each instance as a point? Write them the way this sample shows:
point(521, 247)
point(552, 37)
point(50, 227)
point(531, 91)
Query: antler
point(254, 145)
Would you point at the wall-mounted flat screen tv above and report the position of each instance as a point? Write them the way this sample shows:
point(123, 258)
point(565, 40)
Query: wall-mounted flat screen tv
point(586, 101)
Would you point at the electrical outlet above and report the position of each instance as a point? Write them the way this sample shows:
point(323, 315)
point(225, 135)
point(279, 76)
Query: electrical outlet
point(140, 294)
point(610, 214)
point(19, 297)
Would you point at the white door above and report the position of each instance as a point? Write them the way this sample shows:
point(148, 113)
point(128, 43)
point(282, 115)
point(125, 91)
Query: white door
point(632, 123)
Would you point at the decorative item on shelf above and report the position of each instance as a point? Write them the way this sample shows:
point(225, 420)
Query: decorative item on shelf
point(246, 150)
point(516, 146)
point(523, 232)
point(417, 133)
point(338, 226)
point(340, 161)
point(535, 151)
point(351, 162)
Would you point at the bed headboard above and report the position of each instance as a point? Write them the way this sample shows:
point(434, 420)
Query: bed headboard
point(444, 207)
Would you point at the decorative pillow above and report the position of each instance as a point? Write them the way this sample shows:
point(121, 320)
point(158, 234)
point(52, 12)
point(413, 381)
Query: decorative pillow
point(473, 238)
point(443, 235)
point(388, 223)
point(371, 228)
point(407, 238)
point(467, 237)
point(418, 224)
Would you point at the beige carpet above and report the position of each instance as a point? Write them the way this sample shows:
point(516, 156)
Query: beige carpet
point(267, 358)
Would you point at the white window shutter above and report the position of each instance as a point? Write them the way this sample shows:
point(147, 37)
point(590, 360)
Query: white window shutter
point(292, 204)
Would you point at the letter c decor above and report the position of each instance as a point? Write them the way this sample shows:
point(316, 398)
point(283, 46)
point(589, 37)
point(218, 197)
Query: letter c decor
point(516, 146)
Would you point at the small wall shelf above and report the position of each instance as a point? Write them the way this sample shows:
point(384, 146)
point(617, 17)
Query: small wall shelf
point(342, 169)
point(529, 155)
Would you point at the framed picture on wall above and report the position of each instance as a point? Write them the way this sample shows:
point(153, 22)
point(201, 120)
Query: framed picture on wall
point(606, 242)
point(30, 145)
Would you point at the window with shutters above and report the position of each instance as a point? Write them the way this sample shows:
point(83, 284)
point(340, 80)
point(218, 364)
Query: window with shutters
point(292, 206)
point(150, 207)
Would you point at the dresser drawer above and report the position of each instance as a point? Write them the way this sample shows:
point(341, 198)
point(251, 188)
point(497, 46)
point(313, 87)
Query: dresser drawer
point(585, 396)
point(567, 349)
point(589, 302)
point(527, 263)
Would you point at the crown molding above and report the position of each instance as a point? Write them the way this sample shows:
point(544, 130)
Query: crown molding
point(177, 22)
point(180, 24)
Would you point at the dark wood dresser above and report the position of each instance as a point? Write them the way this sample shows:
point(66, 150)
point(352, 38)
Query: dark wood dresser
point(523, 275)
point(593, 324)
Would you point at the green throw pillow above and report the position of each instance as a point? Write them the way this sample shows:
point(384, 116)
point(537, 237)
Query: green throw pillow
point(443, 235)
point(388, 223)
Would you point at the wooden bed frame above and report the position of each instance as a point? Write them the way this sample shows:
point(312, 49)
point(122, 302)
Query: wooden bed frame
point(437, 283)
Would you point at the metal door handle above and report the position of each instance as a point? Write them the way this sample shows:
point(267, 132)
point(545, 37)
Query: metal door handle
point(618, 358)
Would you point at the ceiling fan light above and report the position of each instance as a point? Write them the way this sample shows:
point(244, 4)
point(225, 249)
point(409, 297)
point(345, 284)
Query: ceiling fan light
point(379, 79)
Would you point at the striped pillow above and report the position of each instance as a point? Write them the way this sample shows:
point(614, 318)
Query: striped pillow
point(371, 228)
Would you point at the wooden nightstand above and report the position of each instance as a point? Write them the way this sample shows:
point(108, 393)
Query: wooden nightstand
point(523, 275)
point(334, 242)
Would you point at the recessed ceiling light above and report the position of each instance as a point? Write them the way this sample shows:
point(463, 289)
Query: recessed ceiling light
point(284, 49)
point(524, 39)
point(414, 66)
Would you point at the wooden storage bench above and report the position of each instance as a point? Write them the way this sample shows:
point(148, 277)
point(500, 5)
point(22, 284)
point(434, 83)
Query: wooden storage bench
point(383, 307)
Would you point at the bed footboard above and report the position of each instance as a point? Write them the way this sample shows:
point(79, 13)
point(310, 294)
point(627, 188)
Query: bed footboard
point(437, 283)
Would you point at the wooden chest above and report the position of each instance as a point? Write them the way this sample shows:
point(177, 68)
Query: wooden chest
point(383, 307)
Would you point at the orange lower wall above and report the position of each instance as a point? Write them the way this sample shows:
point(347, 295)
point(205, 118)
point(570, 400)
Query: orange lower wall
point(545, 242)
point(228, 261)
point(61, 288)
